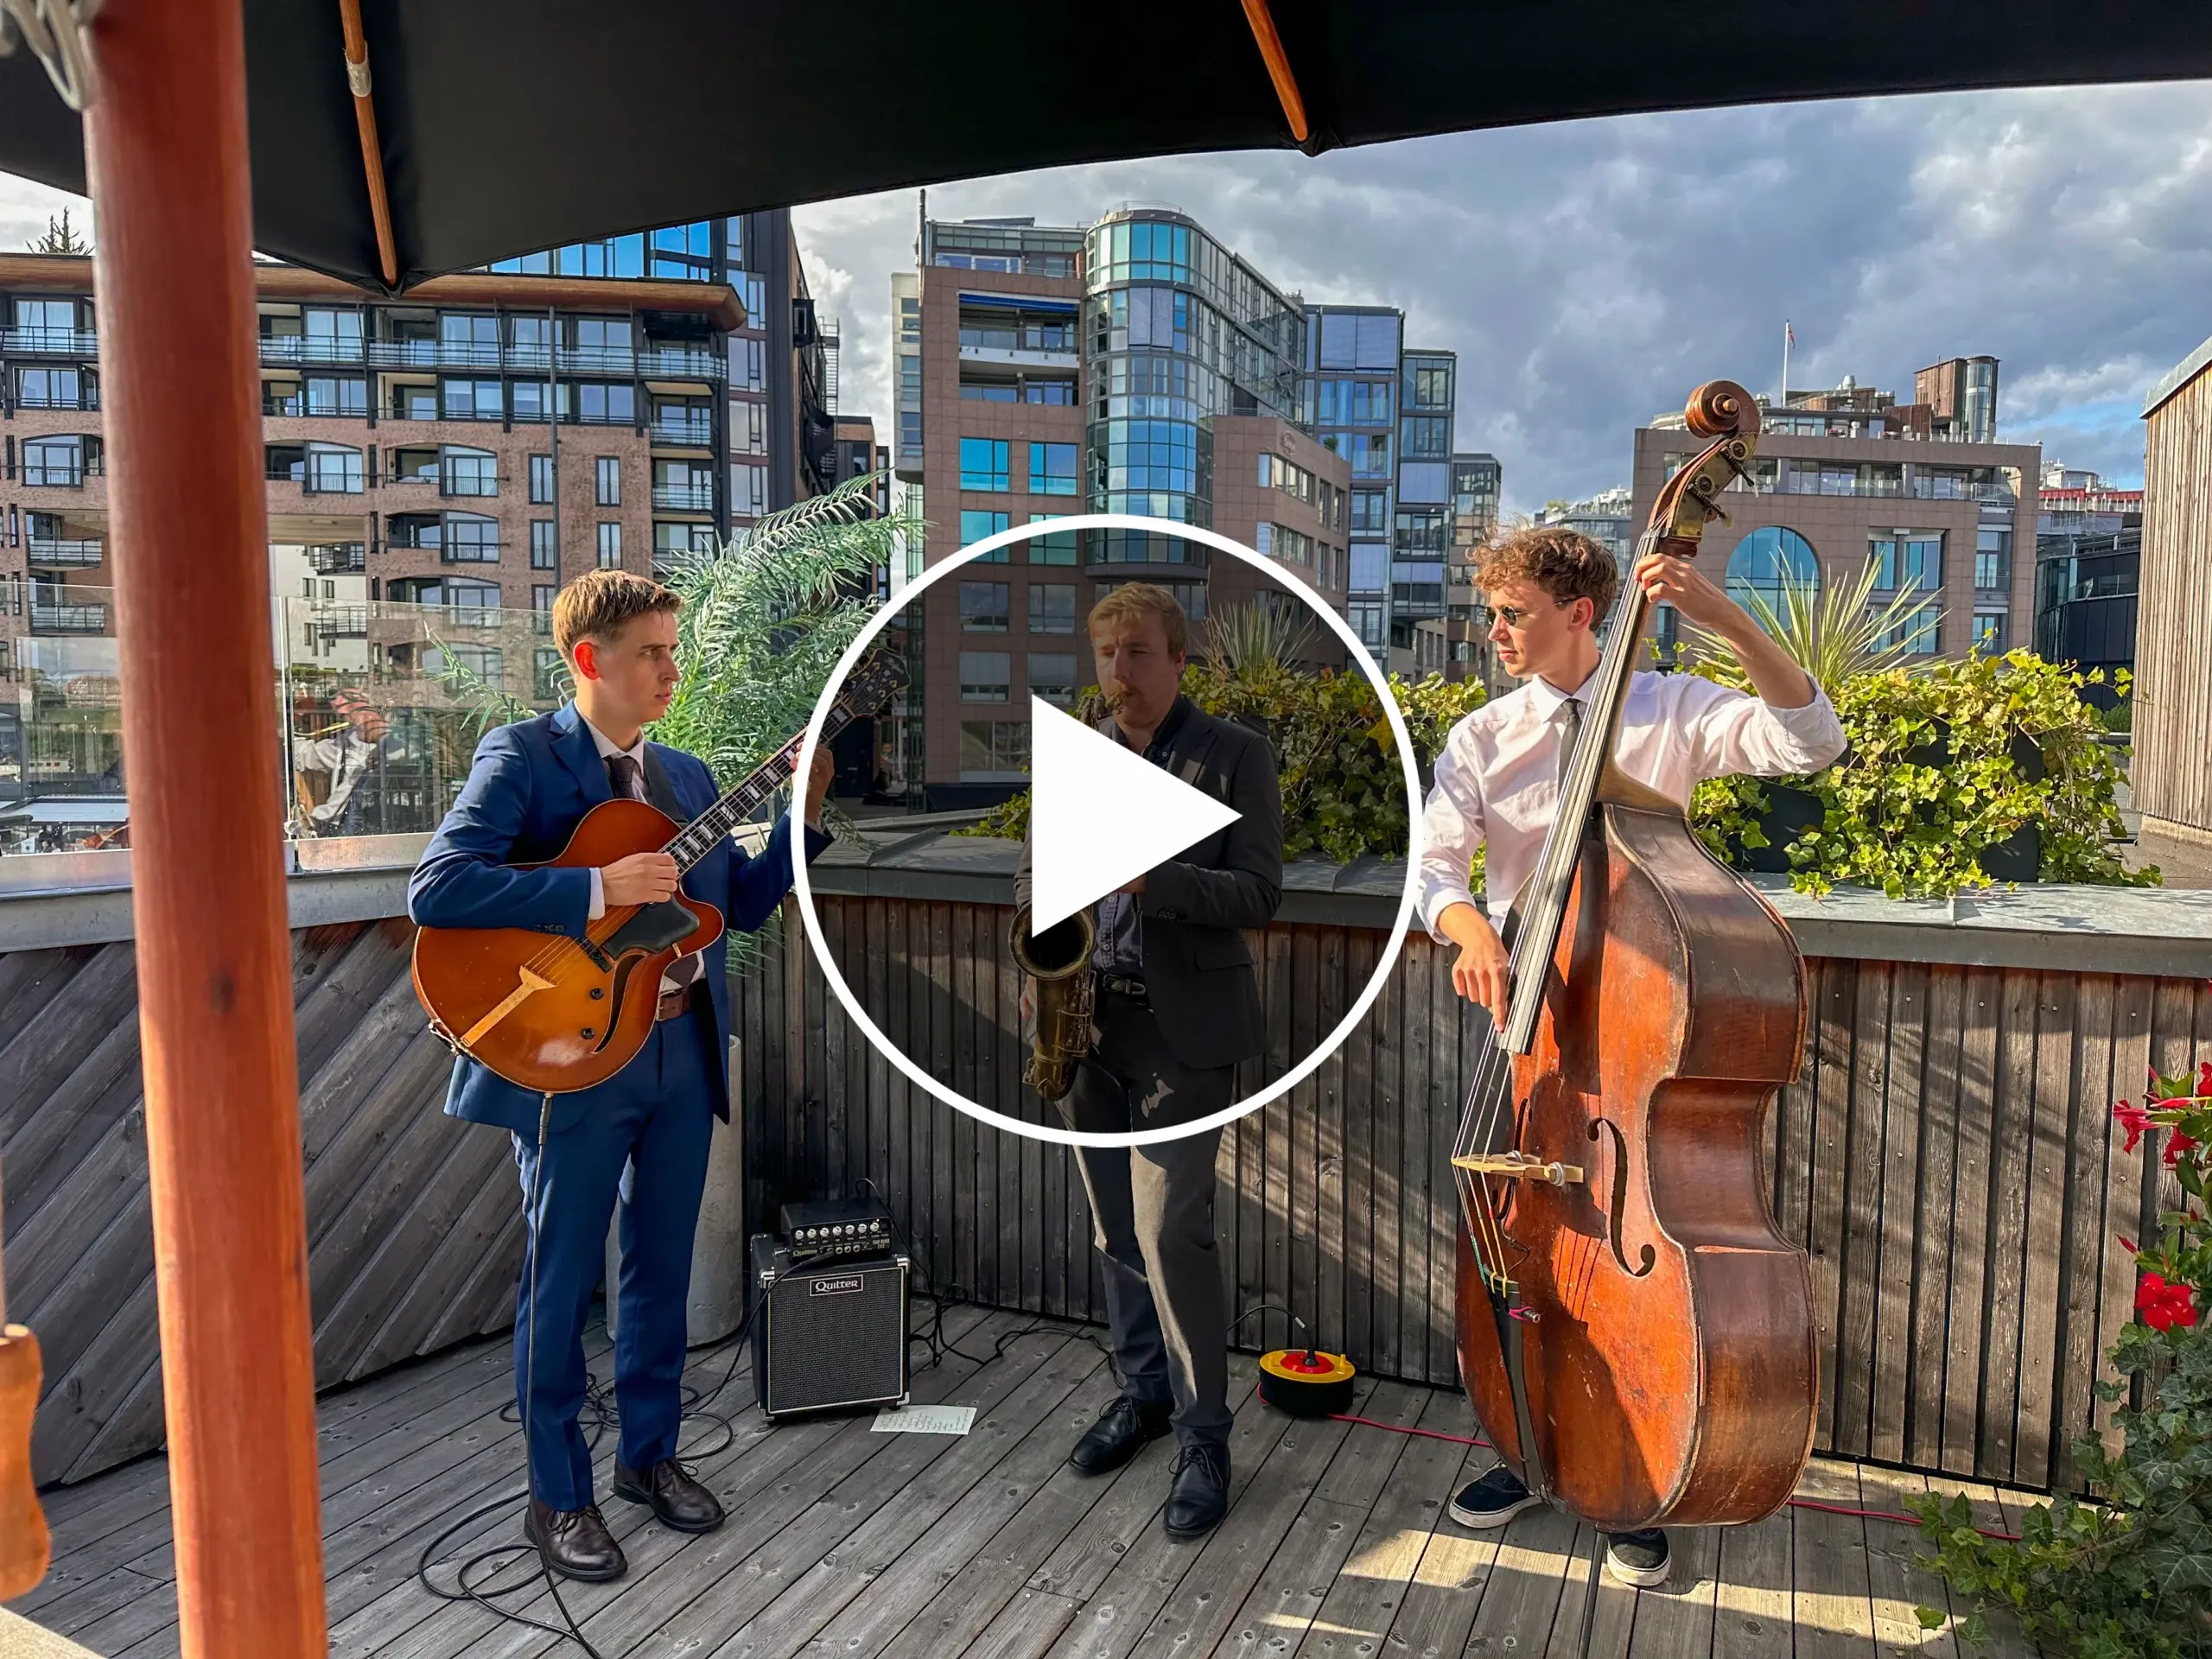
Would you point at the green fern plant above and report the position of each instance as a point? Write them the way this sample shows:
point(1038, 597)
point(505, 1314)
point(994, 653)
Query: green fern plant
point(1260, 638)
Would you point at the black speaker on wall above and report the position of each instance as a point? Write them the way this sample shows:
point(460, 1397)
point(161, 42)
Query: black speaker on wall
point(829, 1335)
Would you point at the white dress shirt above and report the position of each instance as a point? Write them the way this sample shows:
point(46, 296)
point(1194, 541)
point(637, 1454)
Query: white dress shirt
point(1498, 777)
point(636, 751)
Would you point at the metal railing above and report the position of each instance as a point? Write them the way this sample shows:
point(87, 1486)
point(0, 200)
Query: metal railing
point(683, 363)
point(88, 399)
point(684, 498)
point(309, 349)
point(49, 342)
point(698, 431)
point(68, 619)
point(338, 558)
point(47, 476)
point(56, 554)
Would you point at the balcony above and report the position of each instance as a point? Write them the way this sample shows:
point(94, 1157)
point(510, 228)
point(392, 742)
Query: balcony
point(47, 476)
point(684, 498)
point(88, 399)
point(339, 621)
point(68, 619)
point(279, 349)
point(683, 363)
point(696, 432)
point(338, 559)
point(49, 342)
point(50, 554)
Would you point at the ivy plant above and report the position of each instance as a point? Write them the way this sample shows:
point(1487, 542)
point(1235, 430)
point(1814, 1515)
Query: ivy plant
point(1937, 775)
point(2127, 1575)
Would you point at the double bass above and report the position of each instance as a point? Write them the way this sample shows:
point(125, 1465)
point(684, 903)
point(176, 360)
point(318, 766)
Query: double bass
point(1635, 1333)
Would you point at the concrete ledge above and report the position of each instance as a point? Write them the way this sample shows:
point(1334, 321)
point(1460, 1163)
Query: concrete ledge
point(2162, 933)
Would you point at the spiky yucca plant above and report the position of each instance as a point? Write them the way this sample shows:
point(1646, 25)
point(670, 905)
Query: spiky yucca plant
point(1270, 634)
point(1832, 634)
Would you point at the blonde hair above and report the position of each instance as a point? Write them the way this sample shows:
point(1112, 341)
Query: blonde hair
point(1145, 598)
point(600, 604)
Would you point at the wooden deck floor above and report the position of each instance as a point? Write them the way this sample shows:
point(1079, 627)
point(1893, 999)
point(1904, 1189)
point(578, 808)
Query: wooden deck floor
point(846, 1542)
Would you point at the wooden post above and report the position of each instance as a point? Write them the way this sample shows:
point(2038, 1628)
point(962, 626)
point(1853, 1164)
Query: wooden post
point(165, 143)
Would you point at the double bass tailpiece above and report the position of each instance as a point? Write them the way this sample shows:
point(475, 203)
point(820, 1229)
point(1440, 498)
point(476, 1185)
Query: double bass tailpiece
point(1520, 1166)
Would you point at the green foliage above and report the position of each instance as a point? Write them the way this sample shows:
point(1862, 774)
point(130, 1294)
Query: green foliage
point(1932, 782)
point(1834, 633)
point(1265, 634)
point(2129, 1576)
point(1343, 792)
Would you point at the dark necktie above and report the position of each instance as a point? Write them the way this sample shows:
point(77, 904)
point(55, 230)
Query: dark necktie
point(629, 779)
point(1570, 729)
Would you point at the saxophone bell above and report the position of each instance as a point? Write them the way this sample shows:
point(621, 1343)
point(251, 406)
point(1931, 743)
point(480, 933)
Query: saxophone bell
point(1057, 961)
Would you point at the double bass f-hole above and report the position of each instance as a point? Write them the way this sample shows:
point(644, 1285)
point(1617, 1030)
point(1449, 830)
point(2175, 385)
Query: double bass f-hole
point(1616, 1214)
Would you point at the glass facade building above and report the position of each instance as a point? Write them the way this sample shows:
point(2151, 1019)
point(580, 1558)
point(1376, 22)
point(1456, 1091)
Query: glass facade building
point(1177, 330)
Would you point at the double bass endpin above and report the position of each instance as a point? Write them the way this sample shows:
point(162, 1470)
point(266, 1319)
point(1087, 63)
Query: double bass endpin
point(1520, 1166)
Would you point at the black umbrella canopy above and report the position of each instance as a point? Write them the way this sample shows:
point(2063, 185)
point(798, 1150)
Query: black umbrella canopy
point(510, 125)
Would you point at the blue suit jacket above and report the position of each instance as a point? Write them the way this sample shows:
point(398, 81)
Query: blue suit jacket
point(532, 783)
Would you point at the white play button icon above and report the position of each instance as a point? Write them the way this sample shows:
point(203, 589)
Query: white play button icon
point(1100, 815)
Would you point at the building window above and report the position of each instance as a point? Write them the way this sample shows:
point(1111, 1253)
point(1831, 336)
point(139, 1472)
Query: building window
point(994, 751)
point(1992, 558)
point(528, 400)
point(748, 428)
point(1764, 559)
point(1051, 608)
point(1370, 567)
point(610, 547)
point(748, 491)
point(985, 676)
point(1366, 619)
point(984, 464)
point(1051, 676)
point(333, 470)
point(983, 607)
point(1424, 482)
point(975, 526)
point(1279, 541)
point(548, 675)
point(1920, 634)
point(1907, 559)
point(544, 553)
point(1052, 468)
point(472, 400)
point(597, 404)
point(1989, 631)
point(469, 472)
point(541, 479)
point(746, 364)
point(1056, 547)
point(470, 538)
point(608, 482)
point(540, 597)
point(332, 394)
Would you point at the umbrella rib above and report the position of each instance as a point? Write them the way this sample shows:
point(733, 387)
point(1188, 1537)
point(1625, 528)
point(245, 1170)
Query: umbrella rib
point(365, 116)
point(1278, 62)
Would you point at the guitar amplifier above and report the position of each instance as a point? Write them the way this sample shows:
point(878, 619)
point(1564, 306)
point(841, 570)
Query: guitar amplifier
point(835, 1227)
point(828, 1335)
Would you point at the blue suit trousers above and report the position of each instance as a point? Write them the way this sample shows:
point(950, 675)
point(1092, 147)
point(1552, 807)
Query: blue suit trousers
point(642, 1136)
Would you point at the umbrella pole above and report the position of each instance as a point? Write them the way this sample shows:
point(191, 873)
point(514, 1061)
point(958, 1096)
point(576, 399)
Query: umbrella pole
point(165, 142)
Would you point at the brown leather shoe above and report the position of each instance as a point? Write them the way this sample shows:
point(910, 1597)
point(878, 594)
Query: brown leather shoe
point(575, 1543)
point(677, 1500)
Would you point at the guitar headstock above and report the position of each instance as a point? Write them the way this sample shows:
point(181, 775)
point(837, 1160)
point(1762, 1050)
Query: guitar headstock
point(880, 676)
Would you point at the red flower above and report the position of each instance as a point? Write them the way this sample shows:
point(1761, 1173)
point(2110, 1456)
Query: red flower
point(2134, 1120)
point(2176, 1144)
point(2163, 1305)
point(2204, 1079)
point(2128, 1244)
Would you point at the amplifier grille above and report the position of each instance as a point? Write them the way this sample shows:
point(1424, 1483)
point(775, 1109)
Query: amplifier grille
point(832, 1333)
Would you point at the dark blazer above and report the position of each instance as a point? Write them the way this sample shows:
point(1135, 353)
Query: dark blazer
point(1197, 965)
point(530, 786)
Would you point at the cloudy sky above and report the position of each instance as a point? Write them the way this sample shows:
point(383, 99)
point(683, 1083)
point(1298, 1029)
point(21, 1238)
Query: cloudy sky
point(1589, 274)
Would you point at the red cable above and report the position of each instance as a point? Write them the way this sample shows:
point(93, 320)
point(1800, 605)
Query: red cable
point(1795, 1502)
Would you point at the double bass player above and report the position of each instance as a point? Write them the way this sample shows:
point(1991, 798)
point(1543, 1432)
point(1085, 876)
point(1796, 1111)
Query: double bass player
point(1498, 785)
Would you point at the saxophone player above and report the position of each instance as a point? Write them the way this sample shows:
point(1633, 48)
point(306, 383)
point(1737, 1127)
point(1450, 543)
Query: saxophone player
point(1178, 1006)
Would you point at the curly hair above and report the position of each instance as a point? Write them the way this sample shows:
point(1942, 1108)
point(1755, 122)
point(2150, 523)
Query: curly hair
point(1565, 563)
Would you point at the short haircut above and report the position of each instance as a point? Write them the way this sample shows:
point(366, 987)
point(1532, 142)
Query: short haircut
point(1145, 598)
point(1565, 563)
point(599, 604)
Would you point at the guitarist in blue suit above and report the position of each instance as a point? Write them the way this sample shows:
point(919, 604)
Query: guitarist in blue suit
point(644, 1132)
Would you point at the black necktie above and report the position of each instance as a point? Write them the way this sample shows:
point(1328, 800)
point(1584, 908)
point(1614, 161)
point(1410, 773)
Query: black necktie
point(626, 776)
point(1571, 729)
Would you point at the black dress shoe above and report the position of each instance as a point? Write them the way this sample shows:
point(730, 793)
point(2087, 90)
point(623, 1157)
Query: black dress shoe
point(1119, 1434)
point(677, 1500)
point(575, 1543)
point(1198, 1491)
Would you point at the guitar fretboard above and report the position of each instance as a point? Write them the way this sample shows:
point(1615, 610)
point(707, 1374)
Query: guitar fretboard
point(697, 838)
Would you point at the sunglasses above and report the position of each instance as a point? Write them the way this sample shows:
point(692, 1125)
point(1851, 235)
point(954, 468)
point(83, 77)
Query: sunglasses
point(1512, 616)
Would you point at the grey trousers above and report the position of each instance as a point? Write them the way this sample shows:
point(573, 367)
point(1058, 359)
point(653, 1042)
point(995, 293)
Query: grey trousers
point(1151, 1209)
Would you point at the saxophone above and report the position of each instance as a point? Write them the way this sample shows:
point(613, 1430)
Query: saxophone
point(1058, 962)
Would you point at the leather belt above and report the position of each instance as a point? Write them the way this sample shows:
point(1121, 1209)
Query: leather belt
point(674, 1004)
point(1120, 985)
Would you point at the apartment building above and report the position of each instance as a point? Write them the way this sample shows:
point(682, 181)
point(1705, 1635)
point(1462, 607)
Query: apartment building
point(1924, 490)
point(1137, 366)
point(1457, 644)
